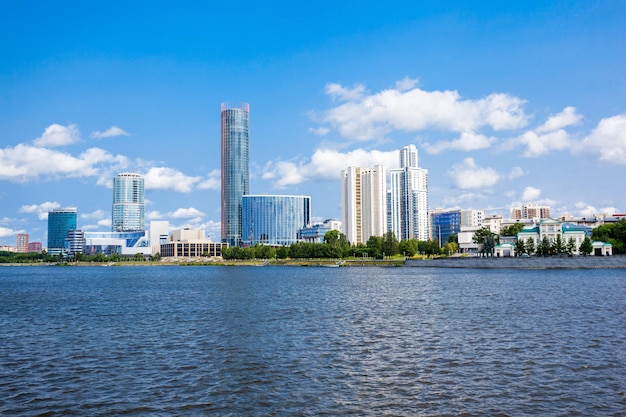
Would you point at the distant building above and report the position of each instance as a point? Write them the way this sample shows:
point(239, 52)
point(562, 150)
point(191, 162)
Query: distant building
point(530, 211)
point(34, 247)
point(21, 242)
point(191, 243)
point(76, 241)
point(493, 223)
point(159, 235)
point(363, 203)
point(316, 232)
point(121, 243)
point(274, 219)
point(60, 222)
point(552, 229)
point(407, 198)
point(443, 224)
point(235, 169)
point(128, 203)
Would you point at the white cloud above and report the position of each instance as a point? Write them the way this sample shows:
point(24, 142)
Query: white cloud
point(212, 181)
point(40, 209)
point(57, 135)
point(337, 91)
point(98, 214)
point(5, 232)
point(516, 172)
point(109, 133)
point(530, 194)
point(162, 178)
point(565, 118)
point(186, 213)
point(320, 131)
point(24, 162)
point(371, 116)
point(608, 140)
point(541, 144)
point(406, 83)
point(468, 175)
point(326, 164)
point(587, 210)
point(105, 222)
point(468, 141)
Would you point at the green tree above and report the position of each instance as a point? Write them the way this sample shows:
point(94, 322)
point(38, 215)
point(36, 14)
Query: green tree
point(544, 247)
point(511, 230)
point(282, 252)
point(390, 244)
point(486, 240)
point(450, 247)
point(156, 257)
point(332, 237)
point(586, 247)
point(571, 246)
point(408, 247)
point(520, 247)
point(613, 233)
point(375, 245)
point(558, 247)
point(453, 238)
point(530, 246)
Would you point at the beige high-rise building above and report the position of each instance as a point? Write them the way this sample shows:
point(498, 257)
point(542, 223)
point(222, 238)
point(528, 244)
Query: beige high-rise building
point(363, 208)
point(530, 211)
point(21, 242)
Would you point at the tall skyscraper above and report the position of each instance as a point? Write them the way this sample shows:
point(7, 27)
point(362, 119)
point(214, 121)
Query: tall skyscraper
point(363, 212)
point(407, 212)
point(128, 203)
point(60, 222)
point(235, 169)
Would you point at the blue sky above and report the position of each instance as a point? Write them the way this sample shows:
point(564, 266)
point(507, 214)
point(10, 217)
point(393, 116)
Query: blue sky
point(507, 102)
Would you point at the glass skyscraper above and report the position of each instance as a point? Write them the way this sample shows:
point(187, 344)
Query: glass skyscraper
point(128, 203)
point(235, 169)
point(60, 222)
point(274, 219)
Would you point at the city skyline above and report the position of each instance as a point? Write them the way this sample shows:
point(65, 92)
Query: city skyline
point(508, 104)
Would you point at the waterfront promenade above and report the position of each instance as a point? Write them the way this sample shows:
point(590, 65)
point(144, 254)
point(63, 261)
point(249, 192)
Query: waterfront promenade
point(535, 262)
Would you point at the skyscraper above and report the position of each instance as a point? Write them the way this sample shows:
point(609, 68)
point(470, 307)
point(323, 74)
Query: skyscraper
point(407, 212)
point(60, 222)
point(235, 169)
point(363, 212)
point(128, 203)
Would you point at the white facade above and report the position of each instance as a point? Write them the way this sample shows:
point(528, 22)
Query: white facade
point(472, 218)
point(159, 234)
point(363, 205)
point(408, 198)
point(128, 203)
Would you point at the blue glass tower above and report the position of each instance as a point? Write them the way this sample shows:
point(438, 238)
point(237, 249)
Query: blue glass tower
point(235, 169)
point(128, 203)
point(60, 222)
point(274, 219)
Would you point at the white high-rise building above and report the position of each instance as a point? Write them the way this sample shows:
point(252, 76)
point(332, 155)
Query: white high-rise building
point(407, 213)
point(363, 211)
point(128, 203)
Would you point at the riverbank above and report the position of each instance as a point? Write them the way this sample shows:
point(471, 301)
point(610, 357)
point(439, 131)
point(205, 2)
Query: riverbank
point(535, 262)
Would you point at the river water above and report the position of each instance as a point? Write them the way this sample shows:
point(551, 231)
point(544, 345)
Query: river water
point(308, 341)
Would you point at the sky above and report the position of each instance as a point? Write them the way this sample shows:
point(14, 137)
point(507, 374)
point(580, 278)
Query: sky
point(507, 102)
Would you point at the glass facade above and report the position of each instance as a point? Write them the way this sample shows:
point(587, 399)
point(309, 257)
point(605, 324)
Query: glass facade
point(128, 203)
point(274, 219)
point(60, 222)
point(235, 170)
point(445, 224)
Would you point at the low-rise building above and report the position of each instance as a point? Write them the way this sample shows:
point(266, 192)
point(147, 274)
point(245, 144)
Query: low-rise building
point(191, 243)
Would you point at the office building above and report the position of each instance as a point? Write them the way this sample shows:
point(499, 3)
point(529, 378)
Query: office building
point(445, 223)
point(407, 210)
point(75, 241)
point(235, 169)
point(128, 203)
point(60, 222)
point(21, 243)
point(274, 219)
point(363, 204)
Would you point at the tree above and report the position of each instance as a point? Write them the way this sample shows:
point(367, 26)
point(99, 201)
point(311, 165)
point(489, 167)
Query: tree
point(520, 247)
point(586, 247)
point(408, 247)
point(530, 246)
point(544, 247)
point(511, 230)
point(487, 241)
point(450, 247)
point(375, 245)
point(558, 247)
point(156, 257)
point(613, 233)
point(571, 246)
point(390, 244)
point(331, 237)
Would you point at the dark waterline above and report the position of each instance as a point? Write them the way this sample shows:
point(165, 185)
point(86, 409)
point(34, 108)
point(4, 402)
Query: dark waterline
point(311, 341)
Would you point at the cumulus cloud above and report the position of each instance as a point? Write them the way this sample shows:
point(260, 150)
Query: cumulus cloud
point(186, 213)
point(516, 172)
point(40, 209)
point(5, 232)
point(586, 210)
point(468, 141)
point(162, 178)
point(364, 116)
point(109, 133)
point(98, 214)
point(325, 164)
point(530, 194)
point(58, 135)
point(468, 175)
point(212, 181)
point(24, 162)
point(608, 140)
point(320, 131)
point(565, 118)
